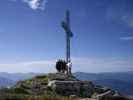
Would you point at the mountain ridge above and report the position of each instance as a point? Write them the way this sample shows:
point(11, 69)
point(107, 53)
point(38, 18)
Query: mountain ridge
point(124, 80)
point(121, 81)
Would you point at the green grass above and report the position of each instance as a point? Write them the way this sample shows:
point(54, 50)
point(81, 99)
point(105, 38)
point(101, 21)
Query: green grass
point(46, 96)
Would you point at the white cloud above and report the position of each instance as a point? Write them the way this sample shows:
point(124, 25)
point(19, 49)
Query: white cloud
point(127, 19)
point(36, 4)
point(31, 66)
point(79, 64)
point(126, 38)
point(121, 18)
point(102, 64)
point(119, 14)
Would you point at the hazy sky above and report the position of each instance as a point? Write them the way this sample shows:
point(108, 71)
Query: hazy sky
point(32, 39)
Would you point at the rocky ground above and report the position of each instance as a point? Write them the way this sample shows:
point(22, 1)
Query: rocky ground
point(59, 86)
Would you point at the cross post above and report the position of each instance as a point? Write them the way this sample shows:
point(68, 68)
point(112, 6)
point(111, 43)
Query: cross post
point(69, 34)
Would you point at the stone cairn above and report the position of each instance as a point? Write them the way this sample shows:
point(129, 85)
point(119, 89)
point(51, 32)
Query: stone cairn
point(66, 84)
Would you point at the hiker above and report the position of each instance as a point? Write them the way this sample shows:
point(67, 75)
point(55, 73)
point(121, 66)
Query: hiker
point(69, 65)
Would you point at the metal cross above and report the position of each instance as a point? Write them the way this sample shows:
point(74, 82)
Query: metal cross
point(66, 26)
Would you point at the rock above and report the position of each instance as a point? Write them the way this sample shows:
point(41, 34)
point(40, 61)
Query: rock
point(108, 93)
point(37, 85)
point(67, 88)
point(101, 89)
point(65, 85)
point(61, 77)
point(115, 98)
point(87, 99)
point(101, 92)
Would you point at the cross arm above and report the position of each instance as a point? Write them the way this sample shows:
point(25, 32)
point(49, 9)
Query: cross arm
point(66, 28)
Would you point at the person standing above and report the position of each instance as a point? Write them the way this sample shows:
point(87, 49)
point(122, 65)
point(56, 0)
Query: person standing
point(69, 65)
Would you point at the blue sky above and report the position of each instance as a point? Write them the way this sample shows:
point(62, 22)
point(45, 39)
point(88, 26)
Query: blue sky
point(32, 39)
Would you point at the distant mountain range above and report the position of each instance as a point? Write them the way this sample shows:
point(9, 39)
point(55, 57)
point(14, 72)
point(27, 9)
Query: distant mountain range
point(17, 76)
point(5, 82)
point(121, 81)
point(10, 79)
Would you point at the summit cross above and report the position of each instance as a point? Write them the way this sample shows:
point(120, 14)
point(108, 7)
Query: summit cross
point(66, 26)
